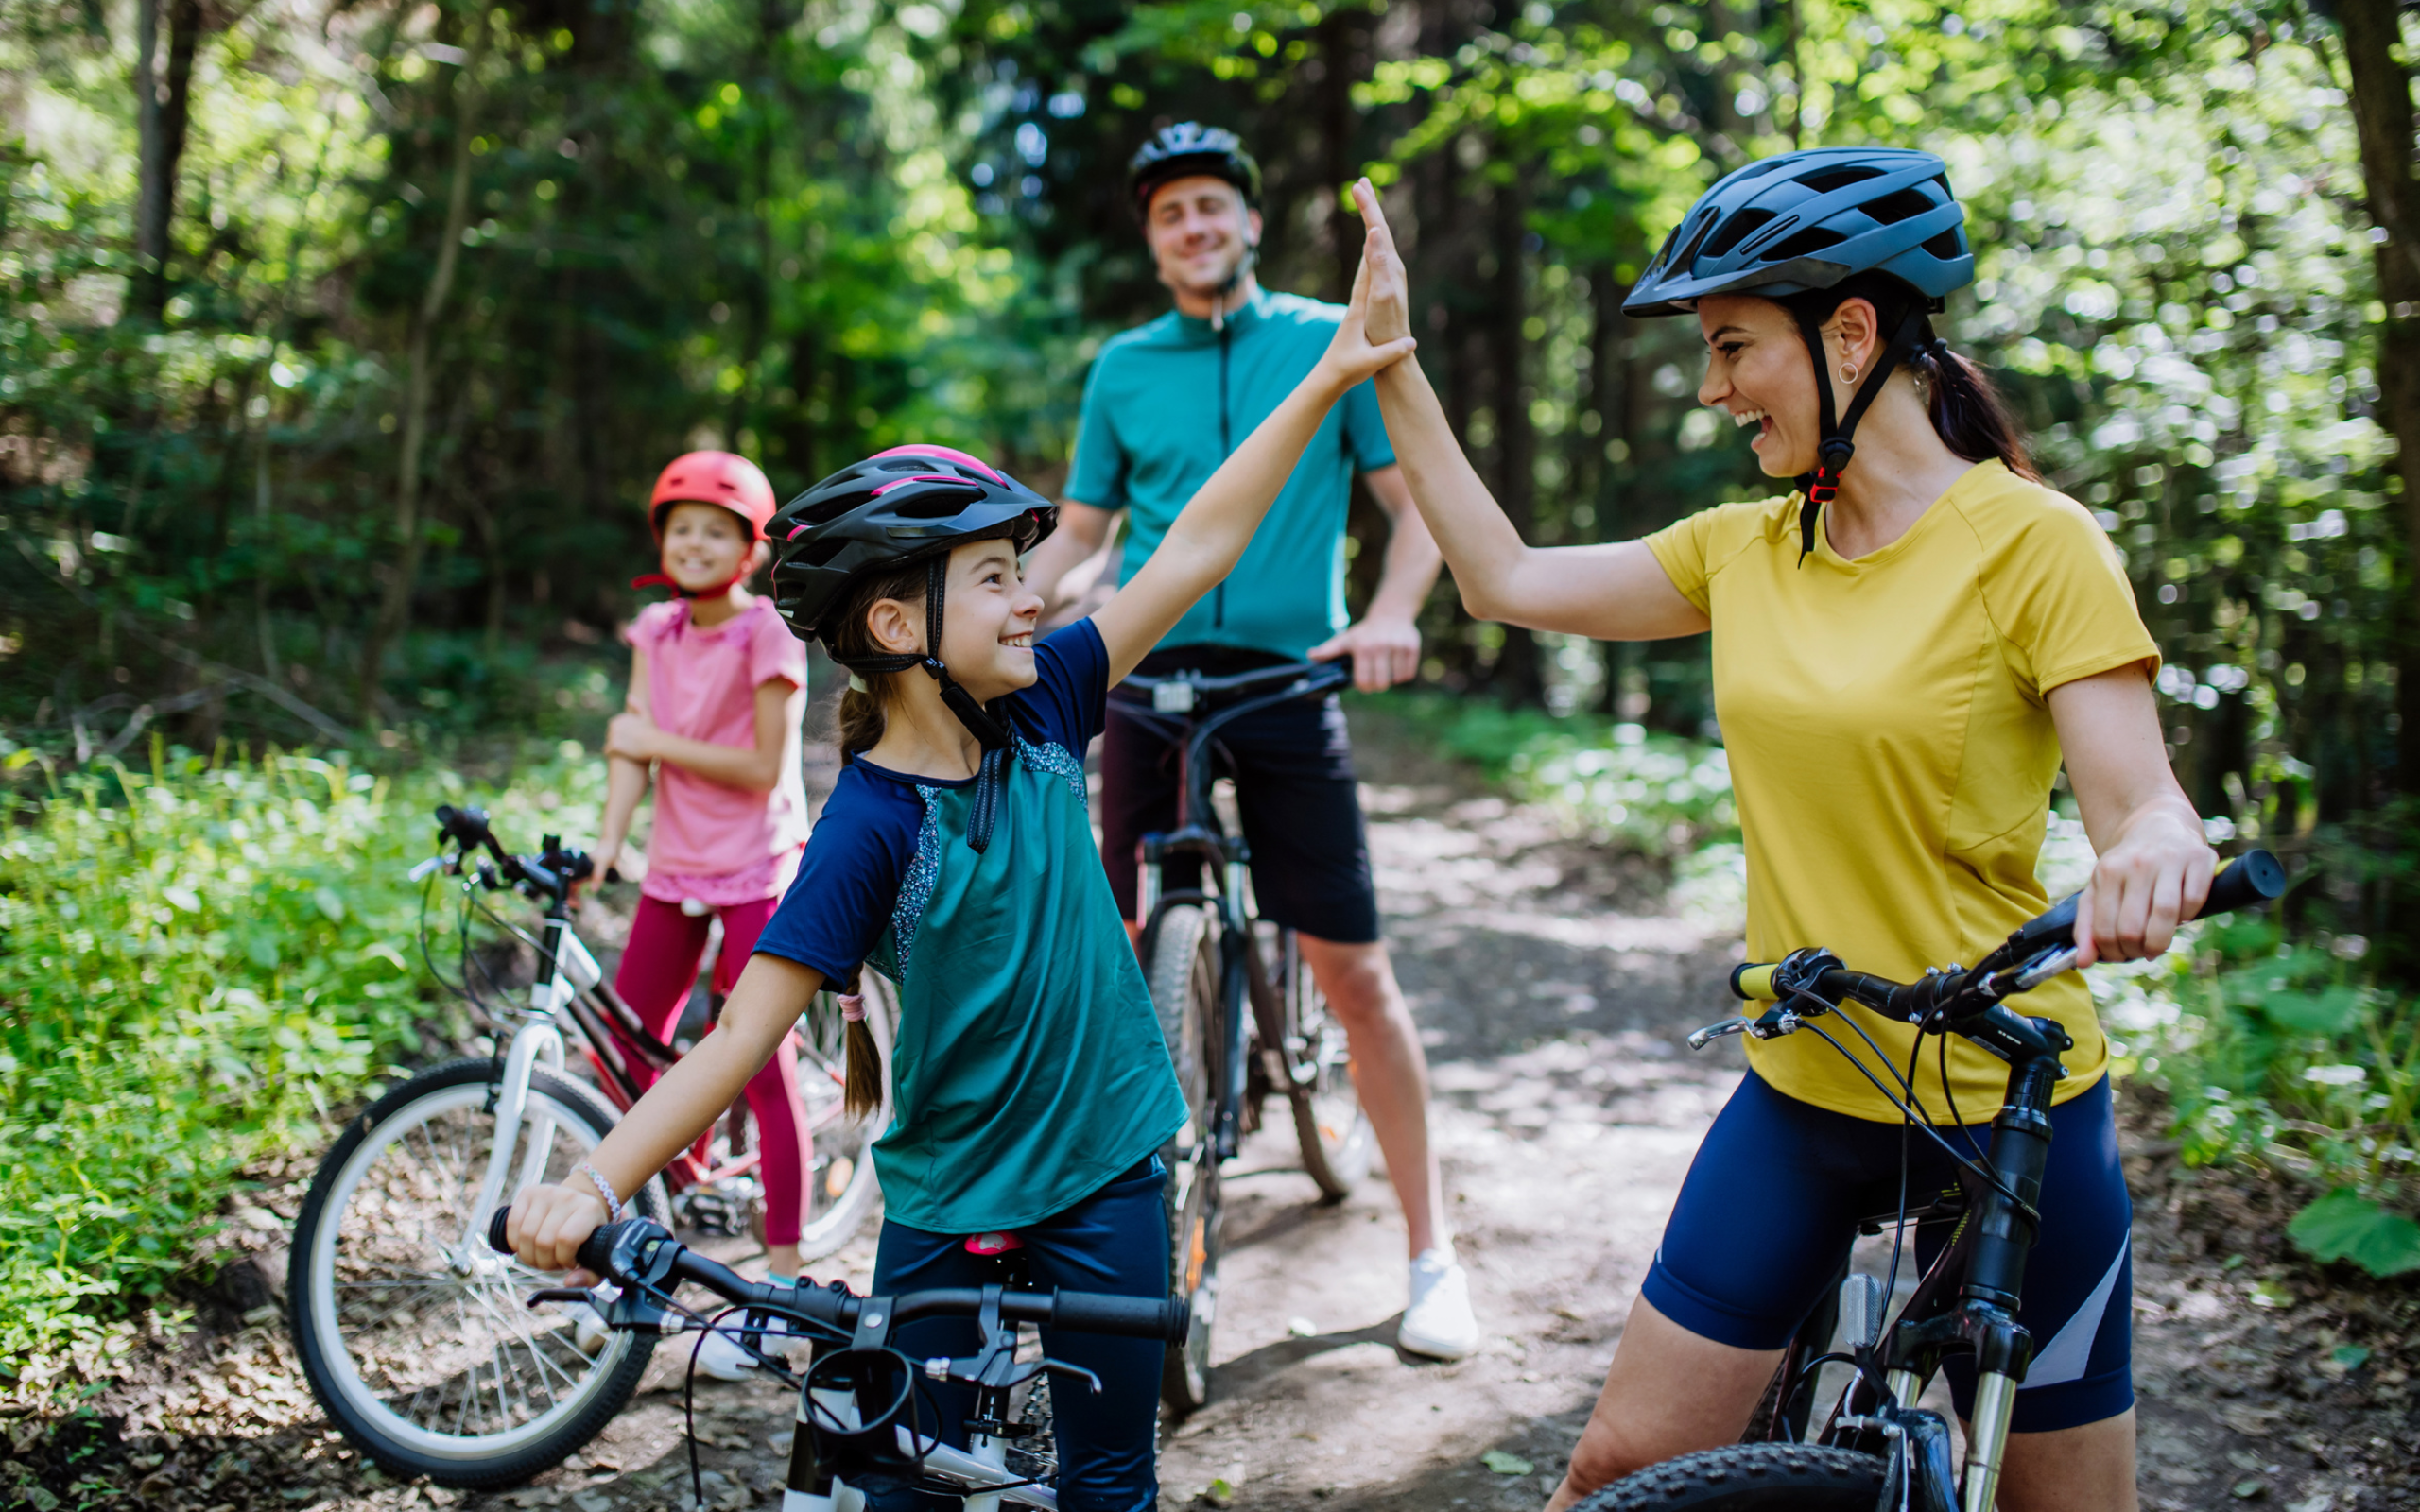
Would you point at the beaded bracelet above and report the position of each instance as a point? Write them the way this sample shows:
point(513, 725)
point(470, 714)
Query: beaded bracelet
point(605, 1188)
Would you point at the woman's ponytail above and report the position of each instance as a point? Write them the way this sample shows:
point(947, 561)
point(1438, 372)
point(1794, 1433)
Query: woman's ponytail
point(1968, 413)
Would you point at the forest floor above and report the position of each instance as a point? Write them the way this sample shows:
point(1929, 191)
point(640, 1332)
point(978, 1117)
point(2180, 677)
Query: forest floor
point(1554, 985)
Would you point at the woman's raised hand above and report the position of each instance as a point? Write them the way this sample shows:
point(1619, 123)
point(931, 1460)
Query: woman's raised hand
point(1355, 352)
point(1388, 308)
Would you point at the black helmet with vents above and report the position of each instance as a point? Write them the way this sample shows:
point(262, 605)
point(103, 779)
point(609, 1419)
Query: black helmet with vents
point(907, 505)
point(1186, 148)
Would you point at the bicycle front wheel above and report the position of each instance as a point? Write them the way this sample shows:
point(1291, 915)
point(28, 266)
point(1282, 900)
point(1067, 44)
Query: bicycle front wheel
point(1749, 1478)
point(1184, 982)
point(1329, 1124)
point(418, 1340)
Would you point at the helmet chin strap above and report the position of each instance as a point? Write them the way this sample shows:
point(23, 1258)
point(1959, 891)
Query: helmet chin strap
point(1834, 449)
point(989, 726)
point(1219, 300)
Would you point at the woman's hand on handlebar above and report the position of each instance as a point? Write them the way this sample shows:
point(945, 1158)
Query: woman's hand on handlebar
point(549, 1224)
point(2156, 875)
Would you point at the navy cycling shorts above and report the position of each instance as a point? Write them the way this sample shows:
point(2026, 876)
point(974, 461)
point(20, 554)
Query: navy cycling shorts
point(1115, 1240)
point(1772, 1205)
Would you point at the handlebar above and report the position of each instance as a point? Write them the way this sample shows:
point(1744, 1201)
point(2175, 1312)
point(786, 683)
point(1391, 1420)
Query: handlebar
point(554, 870)
point(637, 1252)
point(1193, 689)
point(1962, 1000)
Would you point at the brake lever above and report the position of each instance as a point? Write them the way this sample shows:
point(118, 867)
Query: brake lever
point(1061, 1367)
point(1700, 1039)
point(2042, 969)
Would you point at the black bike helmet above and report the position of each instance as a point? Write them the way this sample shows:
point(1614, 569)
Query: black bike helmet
point(1806, 221)
point(1190, 148)
point(908, 503)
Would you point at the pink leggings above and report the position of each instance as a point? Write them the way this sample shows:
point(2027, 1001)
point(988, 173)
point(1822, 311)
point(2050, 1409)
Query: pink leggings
point(659, 967)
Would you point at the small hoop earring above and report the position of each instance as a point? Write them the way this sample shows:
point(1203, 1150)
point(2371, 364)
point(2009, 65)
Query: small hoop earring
point(1848, 372)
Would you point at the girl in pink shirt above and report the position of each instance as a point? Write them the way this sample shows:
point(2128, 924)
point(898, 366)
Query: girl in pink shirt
point(718, 688)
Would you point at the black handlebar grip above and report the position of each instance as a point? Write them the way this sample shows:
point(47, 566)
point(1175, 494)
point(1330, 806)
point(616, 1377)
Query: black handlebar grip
point(596, 1250)
point(495, 1230)
point(1166, 1318)
point(2254, 877)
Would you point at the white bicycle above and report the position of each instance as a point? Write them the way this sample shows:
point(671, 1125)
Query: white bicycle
point(416, 1338)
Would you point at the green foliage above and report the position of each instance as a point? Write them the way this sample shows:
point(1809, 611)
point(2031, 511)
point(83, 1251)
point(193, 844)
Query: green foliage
point(2343, 1225)
point(198, 963)
point(1618, 784)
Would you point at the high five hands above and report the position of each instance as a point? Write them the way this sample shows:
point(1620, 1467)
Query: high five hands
point(1381, 290)
point(1358, 351)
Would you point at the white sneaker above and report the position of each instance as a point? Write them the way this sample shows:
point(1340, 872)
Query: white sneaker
point(722, 1358)
point(1438, 1323)
point(588, 1330)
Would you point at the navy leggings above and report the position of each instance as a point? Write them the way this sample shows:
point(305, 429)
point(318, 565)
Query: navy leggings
point(1772, 1205)
point(1115, 1240)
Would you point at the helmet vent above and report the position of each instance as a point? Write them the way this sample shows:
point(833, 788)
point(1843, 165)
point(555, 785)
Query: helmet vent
point(831, 508)
point(1806, 243)
point(819, 551)
point(1688, 254)
point(1893, 208)
point(941, 503)
point(1828, 179)
point(1948, 246)
point(1736, 229)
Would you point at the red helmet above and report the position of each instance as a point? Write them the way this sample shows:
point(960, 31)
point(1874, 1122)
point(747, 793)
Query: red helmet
point(714, 477)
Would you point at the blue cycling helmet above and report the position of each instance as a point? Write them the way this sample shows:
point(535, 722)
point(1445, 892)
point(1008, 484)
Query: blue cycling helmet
point(1809, 221)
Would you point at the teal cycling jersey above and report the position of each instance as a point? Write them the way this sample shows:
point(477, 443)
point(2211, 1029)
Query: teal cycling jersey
point(1151, 434)
point(1029, 1071)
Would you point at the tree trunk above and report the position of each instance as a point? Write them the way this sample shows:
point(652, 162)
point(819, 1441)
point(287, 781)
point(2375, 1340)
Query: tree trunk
point(1519, 676)
point(2381, 98)
point(394, 609)
point(161, 125)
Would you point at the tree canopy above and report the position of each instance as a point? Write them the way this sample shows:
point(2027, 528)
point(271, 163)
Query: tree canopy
point(343, 339)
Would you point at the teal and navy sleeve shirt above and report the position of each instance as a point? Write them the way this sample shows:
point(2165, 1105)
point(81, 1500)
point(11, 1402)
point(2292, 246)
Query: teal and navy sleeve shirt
point(1152, 432)
point(1028, 1069)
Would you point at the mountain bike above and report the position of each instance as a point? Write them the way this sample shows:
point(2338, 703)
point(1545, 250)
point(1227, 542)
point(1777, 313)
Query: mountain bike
point(858, 1425)
point(1240, 1011)
point(414, 1340)
point(1877, 1449)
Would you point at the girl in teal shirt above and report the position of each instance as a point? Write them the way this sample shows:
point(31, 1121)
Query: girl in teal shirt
point(1030, 1083)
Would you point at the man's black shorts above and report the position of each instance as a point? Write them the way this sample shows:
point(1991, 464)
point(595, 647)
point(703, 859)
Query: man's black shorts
point(1302, 816)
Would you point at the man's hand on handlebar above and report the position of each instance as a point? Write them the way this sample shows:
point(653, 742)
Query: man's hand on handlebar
point(549, 1224)
point(1385, 650)
point(2156, 876)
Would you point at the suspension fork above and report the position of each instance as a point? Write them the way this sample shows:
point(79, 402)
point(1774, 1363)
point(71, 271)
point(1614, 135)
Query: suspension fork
point(1234, 991)
point(1995, 1275)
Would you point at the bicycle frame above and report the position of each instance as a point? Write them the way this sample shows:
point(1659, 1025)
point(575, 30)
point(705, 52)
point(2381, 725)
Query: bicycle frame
point(1967, 1302)
point(1243, 976)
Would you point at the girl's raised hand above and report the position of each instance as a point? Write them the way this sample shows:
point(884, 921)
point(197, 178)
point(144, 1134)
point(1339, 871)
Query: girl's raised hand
point(1388, 305)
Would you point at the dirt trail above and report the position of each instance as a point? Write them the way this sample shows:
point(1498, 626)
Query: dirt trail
point(1554, 991)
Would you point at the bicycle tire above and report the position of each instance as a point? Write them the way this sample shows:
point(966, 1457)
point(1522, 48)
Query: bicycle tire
point(358, 1216)
point(1749, 1478)
point(1330, 1125)
point(1183, 983)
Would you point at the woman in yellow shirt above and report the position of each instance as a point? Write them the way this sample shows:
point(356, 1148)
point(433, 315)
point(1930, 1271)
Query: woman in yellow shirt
point(1903, 652)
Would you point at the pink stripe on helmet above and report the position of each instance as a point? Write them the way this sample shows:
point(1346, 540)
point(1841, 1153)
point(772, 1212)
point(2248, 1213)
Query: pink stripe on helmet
point(918, 477)
point(945, 453)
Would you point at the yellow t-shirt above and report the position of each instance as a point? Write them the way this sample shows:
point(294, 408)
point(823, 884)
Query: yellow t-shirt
point(1893, 753)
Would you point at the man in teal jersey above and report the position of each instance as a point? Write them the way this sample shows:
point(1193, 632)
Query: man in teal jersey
point(1165, 405)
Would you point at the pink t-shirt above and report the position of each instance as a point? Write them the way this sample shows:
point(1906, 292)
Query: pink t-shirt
point(717, 844)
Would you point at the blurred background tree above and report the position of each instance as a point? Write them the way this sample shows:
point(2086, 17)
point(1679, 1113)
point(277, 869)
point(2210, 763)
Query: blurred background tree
point(342, 339)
